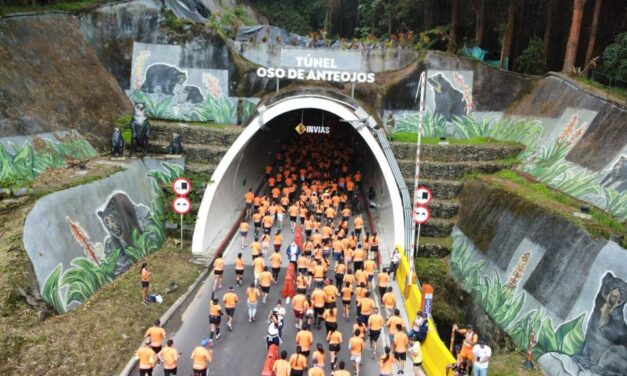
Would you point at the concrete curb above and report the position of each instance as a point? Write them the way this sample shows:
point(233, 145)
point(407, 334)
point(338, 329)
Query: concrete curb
point(168, 314)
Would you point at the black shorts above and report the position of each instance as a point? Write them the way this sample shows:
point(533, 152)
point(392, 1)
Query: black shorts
point(201, 372)
point(374, 248)
point(239, 271)
point(169, 372)
point(214, 320)
point(302, 271)
point(334, 347)
point(218, 272)
point(293, 218)
point(310, 273)
point(374, 334)
point(156, 349)
point(296, 372)
point(339, 278)
point(306, 353)
point(400, 355)
point(257, 224)
point(330, 304)
point(358, 265)
point(276, 270)
point(265, 289)
point(330, 325)
point(418, 364)
point(145, 372)
point(308, 233)
point(145, 284)
point(346, 302)
point(301, 290)
point(318, 311)
point(302, 220)
point(230, 311)
point(307, 252)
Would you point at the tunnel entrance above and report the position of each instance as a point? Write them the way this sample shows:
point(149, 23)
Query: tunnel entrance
point(321, 119)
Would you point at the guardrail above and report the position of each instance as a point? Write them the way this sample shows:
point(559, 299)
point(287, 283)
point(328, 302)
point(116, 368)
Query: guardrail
point(435, 354)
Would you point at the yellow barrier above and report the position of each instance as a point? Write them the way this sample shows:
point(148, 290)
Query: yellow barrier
point(435, 354)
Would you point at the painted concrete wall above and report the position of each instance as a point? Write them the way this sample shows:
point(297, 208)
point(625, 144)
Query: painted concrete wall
point(94, 232)
point(530, 269)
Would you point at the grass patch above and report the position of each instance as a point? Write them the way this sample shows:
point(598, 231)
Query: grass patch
point(619, 92)
point(450, 305)
point(81, 341)
point(206, 124)
point(413, 137)
point(510, 364)
point(601, 223)
point(66, 6)
point(444, 242)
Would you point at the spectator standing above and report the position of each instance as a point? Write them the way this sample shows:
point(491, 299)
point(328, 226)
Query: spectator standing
point(482, 354)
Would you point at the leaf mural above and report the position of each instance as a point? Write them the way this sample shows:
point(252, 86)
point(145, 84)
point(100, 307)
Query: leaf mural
point(51, 292)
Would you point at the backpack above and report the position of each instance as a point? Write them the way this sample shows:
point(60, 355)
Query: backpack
point(421, 335)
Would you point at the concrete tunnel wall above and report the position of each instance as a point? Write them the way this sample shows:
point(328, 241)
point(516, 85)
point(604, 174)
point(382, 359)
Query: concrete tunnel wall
point(241, 168)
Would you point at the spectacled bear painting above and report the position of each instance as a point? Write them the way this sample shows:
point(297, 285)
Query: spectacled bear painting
point(448, 100)
point(617, 176)
point(120, 217)
point(169, 80)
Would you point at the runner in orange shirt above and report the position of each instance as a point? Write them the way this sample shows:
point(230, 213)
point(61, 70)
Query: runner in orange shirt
point(275, 263)
point(356, 345)
point(215, 317)
point(201, 358)
point(383, 281)
point(147, 359)
point(318, 358)
point(230, 300)
point(298, 363)
point(400, 346)
point(169, 357)
point(252, 294)
point(240, 266)
point(156, 334)
point(365, 306)
point(299, 305)
point(386, 362)
point(249, 197)
point(145, 279)
point(341, 371)
point(258, 264)
point(470, 340)
point(389, 302)
point(304, 340)
point(391, 323)
point(243, 232)
point(265, 280)
point(293, 213)
point(358, 223)
point(334, 338)
point(277, 240)
point(375, 323)
point(281, 367)
point(218, 273)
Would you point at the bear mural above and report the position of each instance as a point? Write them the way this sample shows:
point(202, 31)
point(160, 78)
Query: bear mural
point(448, 100)
point(169, 80)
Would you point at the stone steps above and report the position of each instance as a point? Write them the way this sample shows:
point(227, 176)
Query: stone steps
point(434, 247)
point(438, 227)
point(201, 167)
point(450, 170)
point(443, 208)
point(209, 154)
point(457, 152)
point(223, 136)
point(442, 189)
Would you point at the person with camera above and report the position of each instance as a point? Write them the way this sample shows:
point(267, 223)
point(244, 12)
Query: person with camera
point(482, 354)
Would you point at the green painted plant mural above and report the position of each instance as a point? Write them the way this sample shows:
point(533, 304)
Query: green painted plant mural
point(21, 164)
point(503, 305)
point(434, 125)
point(88, 274)
point(219, 109)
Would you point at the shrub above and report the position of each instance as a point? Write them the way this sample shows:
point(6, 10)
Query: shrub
point(614, 61)
point(532, 59)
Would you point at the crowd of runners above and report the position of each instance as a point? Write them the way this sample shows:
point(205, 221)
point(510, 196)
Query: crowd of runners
point(337, 276)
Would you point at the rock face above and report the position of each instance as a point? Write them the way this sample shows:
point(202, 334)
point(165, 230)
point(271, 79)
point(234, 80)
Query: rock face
point(54, 83)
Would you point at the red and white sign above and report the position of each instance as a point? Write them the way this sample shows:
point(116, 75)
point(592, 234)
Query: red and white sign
point(182, 186)
point(182, 205)
point(423, 196)
point(421, 215)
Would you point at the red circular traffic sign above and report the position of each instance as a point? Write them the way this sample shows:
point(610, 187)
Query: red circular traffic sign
point(421, 215)
point(422, 195)
point(181, 186)
point(182, 205)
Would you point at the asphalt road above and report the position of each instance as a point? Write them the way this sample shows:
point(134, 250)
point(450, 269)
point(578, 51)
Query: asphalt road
point(243, 350)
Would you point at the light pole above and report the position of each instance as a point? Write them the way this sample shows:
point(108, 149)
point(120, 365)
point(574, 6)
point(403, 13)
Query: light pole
point(415, 240)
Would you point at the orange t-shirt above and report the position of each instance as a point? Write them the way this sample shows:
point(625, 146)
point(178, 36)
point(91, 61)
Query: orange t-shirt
point(334, 337)
point(147, 357)
point(389, 301)
point(299, 302)
point(202, 357)
point(267, 221)
point(318, 358)
point(218, 264)
point(347, 293)
point(252, 293)
point(356, 345)
point(359, 223)
point(169, 355)
point(243, 227)
point(145, 275)
point(348, 278)
point(298, 362)
point(281, 367)
point(317, 298)
point(329, 316)
point(239, 264)
point(304, 339)
point(383, 279)
point(391, 324)
point(230, 300)
point(258, 264)
point(265, 279)
point(249, 196)
point(156, 334)
point(385, 365)
point(275, 260)
point(366, 304)
point(330, 293)
point(375, 322)
point(369, 267)
point(214, 309)
point(400, 342)
point(315, 371)
point(358, 255)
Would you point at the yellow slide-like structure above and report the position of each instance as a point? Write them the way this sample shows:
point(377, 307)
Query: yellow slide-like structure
point(435, 354)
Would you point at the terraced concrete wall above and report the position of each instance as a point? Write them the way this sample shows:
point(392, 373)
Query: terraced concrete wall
point(532, 270)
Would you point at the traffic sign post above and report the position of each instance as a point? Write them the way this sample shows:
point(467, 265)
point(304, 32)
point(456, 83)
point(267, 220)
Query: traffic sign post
point(181, 204)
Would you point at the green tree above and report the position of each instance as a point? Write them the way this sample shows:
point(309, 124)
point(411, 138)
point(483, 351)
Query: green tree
point(615, 57)
point(532, 59)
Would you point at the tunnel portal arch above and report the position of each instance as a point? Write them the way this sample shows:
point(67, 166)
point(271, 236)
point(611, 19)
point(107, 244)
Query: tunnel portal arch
point(220, 202)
